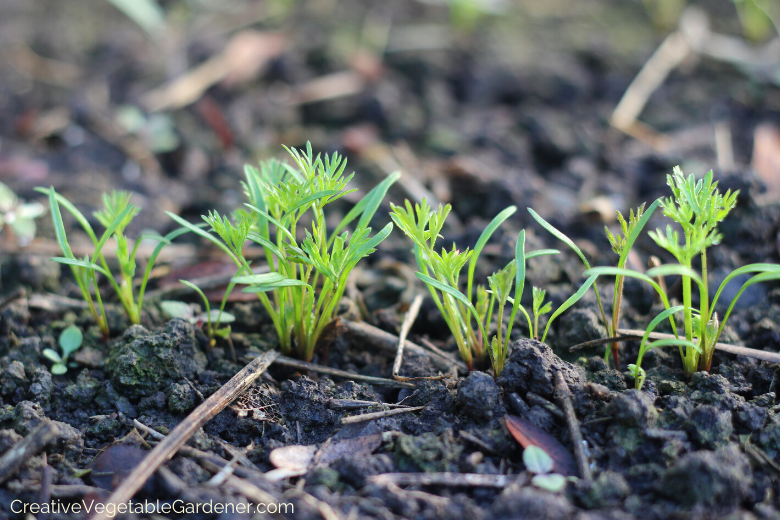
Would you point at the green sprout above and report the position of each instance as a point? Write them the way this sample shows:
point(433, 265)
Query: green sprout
point(538, 462)
point(115, 216)
point(307, 278)
point(441, 272)
point(539, 309)
point(697, 207)
point(70, 340)
point(212, 318)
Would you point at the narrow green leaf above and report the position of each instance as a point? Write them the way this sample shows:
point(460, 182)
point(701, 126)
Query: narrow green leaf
point(483, 239)
point(559, 235)
point(197, 229)
point(304, 202)
point(80, 263)
point(279, 225)
point(750, 268)
point(82, 220)
point(674, 269)
point(110, 231)
point(368, 205)
point(287, 282)
point(568, 303)
point(541, 252)
point(258, 278)
point(637, 230)
point(673, 342)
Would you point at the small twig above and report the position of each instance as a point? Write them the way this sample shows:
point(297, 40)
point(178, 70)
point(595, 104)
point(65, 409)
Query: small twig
point(564, 395)
point(227, 470)
point(303, 365)
point(168, 447)
point(389, 343)
point(477, 441)
point(354, 404)
point(442, 479)
point(629, 334)
point(411, 315)
point(324, 508)
point(44, 495)
point(378, 415)
point(25, 449)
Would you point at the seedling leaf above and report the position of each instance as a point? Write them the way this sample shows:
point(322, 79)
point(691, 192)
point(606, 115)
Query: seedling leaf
point(537, 460)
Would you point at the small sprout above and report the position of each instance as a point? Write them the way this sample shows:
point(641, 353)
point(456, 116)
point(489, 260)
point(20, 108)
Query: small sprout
point(303, 291)
point(116, 215)
point(70, 340)
point(539, 309)
point(537, 461)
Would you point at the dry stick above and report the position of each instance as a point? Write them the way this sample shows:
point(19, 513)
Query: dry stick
point(389, 344)
point(443, 479)
point(44, 495)
point(564, 395)
point(200, 416)
point(303, 365)
point(628, 334)
point(378, 415)
point(667, 57)
point(354, 404)
point(411, 315)
point(22, 451)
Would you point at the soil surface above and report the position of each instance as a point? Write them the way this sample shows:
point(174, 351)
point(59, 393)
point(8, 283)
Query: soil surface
point(481, 112)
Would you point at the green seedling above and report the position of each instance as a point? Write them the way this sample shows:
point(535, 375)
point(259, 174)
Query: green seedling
point(116, 214)
point(212, 318)
point(697, 207)
point(18, 216)
point(441, 272)
point(539, 309)
point(636, 369)
point(538, 462)
point(621, 245)
point(307, 278)
point(70, 340)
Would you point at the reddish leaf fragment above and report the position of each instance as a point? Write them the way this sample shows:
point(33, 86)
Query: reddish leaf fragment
point(529, 435)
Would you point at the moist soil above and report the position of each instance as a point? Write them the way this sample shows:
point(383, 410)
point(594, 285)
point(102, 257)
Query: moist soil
point(513, 110)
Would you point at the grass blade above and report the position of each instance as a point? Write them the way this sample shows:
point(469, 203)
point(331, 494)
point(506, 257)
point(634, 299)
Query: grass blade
point(65, 203)
point(80, 263)
point(483, 238)
point(197, 229)
point(368, 204)
point(559, 235)
point(541, 252)
point(675, 269)
point(568, 303)
point(279, 225)
point(750, 268)
point(267, 278)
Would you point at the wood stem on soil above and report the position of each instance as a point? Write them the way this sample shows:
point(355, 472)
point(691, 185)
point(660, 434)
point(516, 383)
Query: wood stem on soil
point(25, 449)
point(564, 395)
point(168, 447)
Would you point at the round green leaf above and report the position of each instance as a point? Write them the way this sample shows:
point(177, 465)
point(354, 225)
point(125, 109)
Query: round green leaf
point(553, 482)
point(58, 369)
point(537, 460)
point(70, 340)
point(176, 309)
point(51, 355)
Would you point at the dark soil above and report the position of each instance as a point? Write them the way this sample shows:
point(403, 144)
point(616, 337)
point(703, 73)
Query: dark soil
point(514, 111)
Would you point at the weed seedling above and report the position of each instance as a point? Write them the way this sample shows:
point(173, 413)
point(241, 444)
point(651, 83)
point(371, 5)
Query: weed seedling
point(538, 462)
point(621, 245)
point(212, 319)
point(308, 277)
point(116, 214)
point(441, 272)
point(539, 309)
point(70, 341)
